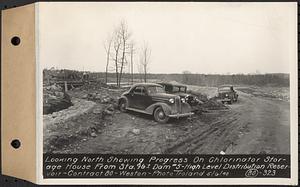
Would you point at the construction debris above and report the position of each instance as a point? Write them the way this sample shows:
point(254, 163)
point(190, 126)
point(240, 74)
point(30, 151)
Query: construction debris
point(213, 104)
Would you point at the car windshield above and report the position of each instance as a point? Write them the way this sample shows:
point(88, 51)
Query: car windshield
point(155, 89)
point(178, 89)
point(224, 89)
point(174, 89)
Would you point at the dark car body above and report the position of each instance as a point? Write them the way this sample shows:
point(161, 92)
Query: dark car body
point(181, 90)
point(227, 94)
point(148, 97)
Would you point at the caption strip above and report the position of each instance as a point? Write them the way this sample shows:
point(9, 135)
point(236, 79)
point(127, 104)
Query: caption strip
point(165, 166)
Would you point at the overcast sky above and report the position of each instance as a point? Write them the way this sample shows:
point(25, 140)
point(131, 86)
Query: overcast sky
point(198, 37)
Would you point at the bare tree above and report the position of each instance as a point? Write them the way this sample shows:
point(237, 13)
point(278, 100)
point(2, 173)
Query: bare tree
point(117, 47)
point(132, 51)
point(125, 37)
point(107, 47)
point(140, 70)
point(121, 49)
point(145, 60)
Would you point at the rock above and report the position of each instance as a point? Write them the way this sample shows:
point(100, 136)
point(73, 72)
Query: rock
point(84, 132)
point(97, 111)
point(104, 100)
point(85, 96)
point(54, 115)
point(93, 128)
point(222, 153)
point(136, 131)
point(96, 123)
point(110, 108)
point(93, 134)
point(108, 112)
point(98, 96)
point(59, 94)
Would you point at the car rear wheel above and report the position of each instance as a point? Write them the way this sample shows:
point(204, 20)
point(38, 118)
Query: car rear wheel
point(160, 116)
point(123, 105)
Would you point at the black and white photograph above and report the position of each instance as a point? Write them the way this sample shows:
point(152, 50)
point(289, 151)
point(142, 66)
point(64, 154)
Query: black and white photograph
point(150, 93)
point(166, 78)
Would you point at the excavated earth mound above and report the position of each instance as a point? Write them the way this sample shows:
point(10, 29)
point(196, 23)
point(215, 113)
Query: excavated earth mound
point(55, 99)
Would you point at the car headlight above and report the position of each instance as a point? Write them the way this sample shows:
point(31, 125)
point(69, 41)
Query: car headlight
point(183, 100)
point(172, 100)
point(226, 95)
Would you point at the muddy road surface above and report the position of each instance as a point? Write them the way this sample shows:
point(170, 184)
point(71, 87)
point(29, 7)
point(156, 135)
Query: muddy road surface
point(253, 125)
point(268, 125)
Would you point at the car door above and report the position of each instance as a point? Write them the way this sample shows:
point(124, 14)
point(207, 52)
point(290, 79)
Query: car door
point(145, 99)
point(134, 97)
point(142, 99)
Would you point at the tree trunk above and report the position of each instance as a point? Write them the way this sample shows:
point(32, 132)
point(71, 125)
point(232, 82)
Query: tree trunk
point(107, 62)
point(117, 73)
point(131, 62)
point(122, 62)
point(145, 74)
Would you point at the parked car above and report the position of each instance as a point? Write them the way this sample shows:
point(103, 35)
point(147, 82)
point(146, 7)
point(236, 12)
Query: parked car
point(150, 98)
point(227, 94)
point(181, 90)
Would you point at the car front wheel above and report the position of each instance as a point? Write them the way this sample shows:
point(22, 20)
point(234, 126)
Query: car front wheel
point(123, 105)
point(160, 116)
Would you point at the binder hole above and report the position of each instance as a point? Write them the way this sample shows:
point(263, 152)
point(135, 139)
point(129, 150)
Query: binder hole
point(15, 144)
point(15, 40)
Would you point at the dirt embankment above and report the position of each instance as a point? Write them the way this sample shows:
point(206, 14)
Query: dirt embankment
point(280, 93)
point(55, 99)
point(93, 106)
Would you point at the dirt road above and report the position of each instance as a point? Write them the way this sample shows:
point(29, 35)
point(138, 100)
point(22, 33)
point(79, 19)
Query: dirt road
point(268, 123)
point(252, 125)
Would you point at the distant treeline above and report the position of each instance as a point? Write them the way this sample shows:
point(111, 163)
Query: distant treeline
point(272, 79)
point(238, 79)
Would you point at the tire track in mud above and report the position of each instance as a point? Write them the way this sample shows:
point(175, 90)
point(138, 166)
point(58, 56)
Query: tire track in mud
point(216, 135)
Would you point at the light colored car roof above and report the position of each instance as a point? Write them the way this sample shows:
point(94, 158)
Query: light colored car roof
point(173, 84)
point(226, 85)
point(146, 84)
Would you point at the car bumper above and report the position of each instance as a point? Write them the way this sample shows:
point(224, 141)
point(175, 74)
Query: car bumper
point(225, 99)
point(180, 115)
